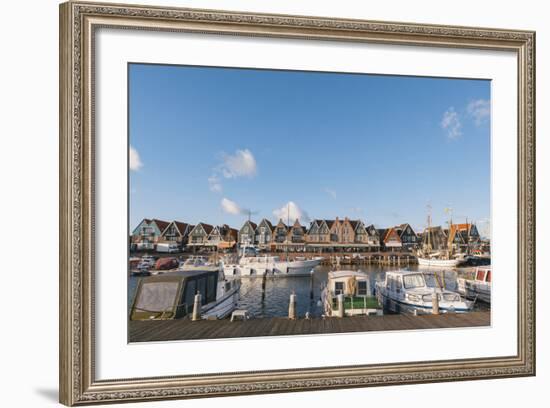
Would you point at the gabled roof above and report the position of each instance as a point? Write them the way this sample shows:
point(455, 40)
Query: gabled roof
point(356, 223)
point(181, 226)
point(329, 223)
point(215, 229)
point(147, 221)
point(319, 223)
point(389, 232)
point(206, 227)
point(281, 224)
point(253, 225)
point(268, 223)
point(371, 228)
point(297, 224)
point(160, 224)
point(402, 227)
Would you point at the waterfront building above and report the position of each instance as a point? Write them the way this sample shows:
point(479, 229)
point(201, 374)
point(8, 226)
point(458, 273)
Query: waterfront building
point(409, 238)
point(463, 236)
point(360, 232)
point(198, 237)
point(147, 233)
point(296, 233)
point(318, 232)
point(176, 233)
point(264, 233)
point(280, 232)
point(390, 240)
point(340, 234)
point(374, 237)
point(222, 237)
point(247, 233)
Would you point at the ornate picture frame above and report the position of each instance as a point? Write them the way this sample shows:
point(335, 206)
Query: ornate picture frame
point(78, 24)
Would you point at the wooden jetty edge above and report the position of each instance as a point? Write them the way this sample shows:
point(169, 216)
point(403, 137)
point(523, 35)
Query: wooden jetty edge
point(185, 329)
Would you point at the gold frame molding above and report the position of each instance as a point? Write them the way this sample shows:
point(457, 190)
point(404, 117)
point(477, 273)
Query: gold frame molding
point(78, 22)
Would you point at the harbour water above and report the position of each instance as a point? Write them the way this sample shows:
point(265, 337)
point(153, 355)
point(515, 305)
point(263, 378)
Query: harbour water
point(274, 301)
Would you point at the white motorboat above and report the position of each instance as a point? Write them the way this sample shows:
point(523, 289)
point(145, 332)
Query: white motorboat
point(407, 291)
point(172, 296)
point(478, 287)
point(250, 266)
point(197, 263)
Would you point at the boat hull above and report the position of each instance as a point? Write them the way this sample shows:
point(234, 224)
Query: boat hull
point(223, 306)
point(440, 263)
point(272, 269)
point(399, 306)
point(472, 289)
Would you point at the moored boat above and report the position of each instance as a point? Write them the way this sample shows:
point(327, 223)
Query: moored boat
point(407, 291)
point(355, 292)
point(477, 287)
point(272, 266)
point(438, 262)
point(251, 266)
point(173, 296)
point(197, 263)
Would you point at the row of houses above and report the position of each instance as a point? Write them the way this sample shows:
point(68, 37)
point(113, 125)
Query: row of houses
point(319, 235)
point(151, 232)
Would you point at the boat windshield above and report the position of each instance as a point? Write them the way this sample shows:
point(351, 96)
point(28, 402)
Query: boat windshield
point(413, 281)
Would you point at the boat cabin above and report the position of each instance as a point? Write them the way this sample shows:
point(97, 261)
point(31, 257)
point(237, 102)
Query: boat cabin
point(354, 290)
point(349, 283)
point(172, 296)
point(483, 274)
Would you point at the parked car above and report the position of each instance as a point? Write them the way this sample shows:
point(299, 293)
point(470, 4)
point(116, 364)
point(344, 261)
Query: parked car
point(164, 264)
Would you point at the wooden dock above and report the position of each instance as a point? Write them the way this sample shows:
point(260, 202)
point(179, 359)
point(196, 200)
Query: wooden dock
point(185, 329)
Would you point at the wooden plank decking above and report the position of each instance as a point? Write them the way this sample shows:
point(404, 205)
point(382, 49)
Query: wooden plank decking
point(185, 329)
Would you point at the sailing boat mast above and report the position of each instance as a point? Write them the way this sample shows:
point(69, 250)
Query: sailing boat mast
point(429, 244)
point(289, 229)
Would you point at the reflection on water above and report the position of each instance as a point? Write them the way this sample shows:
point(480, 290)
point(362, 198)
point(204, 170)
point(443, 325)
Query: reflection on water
point(274, 301)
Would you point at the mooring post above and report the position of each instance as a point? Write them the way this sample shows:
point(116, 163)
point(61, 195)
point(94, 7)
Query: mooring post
point(435, 304)
point(341, 306)
point(292, 307)
point(264, 278)
point(197, 307)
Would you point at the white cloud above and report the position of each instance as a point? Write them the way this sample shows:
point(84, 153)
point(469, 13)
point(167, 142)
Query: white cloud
point(240, 164)
point(451, 123)
point(480, 110)
point(330, 192)
point(231, 207)
point(135, 160)
point(214, 184)
point(291, 211)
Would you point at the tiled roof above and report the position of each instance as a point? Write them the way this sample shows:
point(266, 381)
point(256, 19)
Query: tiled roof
point(182, 226)
point(160, 224)
point(207, 227)
point(269, 224)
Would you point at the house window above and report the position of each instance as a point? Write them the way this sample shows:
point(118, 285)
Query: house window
point(362, 288)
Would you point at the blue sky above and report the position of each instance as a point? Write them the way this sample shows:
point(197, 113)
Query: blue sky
point(212, 144)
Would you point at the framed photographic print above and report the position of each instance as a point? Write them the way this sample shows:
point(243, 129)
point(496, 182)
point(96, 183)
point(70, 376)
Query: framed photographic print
point(356, 196)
